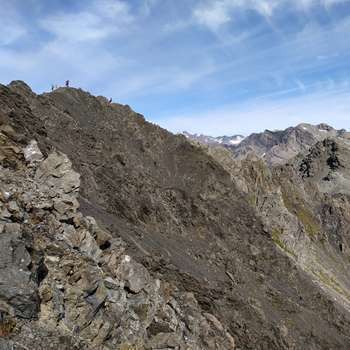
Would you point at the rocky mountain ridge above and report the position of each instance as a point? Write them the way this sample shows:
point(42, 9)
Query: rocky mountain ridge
point(68, 284)
point(191, 218)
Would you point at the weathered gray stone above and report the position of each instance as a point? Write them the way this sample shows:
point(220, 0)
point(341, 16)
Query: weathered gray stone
point(5, 214)
point(13, 207)
point(136, 277)
point(164, 341)
point(18, 293)
point(56, 171)
point(32, 152)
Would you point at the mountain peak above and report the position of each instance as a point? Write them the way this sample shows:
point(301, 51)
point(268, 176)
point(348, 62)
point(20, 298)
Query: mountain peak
point(21, 88)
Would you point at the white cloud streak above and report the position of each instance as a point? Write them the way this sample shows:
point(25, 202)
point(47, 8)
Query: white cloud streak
point(99, 21)
point(10, 32)
point(213, 14)
point(11, 27)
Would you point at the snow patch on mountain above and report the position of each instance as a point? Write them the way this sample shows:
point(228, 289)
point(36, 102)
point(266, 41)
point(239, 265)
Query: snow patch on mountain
point(211, 140)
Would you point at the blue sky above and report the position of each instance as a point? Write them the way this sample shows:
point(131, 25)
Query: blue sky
point(206, 66)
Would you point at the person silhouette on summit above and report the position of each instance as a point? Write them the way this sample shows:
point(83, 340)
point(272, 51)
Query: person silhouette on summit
point(67, 83)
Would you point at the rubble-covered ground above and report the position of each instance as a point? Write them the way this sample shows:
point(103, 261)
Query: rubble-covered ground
point(67, 284)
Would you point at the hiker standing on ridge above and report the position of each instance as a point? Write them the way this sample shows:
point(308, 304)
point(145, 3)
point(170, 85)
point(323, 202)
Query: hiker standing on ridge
point(52, 87)
point(110, 100)
point(67, 83)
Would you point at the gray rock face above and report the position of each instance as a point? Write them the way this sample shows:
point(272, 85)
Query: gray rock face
point(18, 292)
point(32, 152)
point(136, 277)
point(174, 210)
point(305, 206)
point(63, 287)
point(56, 172)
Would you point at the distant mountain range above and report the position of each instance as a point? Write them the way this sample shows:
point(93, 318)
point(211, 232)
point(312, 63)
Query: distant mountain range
point(276, 147)
point(211, 140)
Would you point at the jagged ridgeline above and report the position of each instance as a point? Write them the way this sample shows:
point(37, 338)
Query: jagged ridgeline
point(160, 243)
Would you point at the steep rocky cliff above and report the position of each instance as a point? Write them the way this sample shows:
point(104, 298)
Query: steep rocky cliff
point(184, 221)
point(304, 205)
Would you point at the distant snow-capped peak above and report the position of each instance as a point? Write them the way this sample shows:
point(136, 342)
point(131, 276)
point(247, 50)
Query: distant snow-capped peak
point(211, 140)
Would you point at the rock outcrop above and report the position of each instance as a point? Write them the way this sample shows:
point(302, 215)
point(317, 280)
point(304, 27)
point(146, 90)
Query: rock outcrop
point(67, 284)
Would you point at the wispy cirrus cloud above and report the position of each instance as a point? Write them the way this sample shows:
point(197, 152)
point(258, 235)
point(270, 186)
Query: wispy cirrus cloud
point(98, 21)
point(216, 13)
point(73, 47)
point(12, 27)
point(182, 59)
point(147, 6)
point(11, 32)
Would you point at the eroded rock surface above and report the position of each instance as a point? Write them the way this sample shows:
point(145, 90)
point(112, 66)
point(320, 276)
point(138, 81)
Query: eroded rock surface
point(67, 284)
